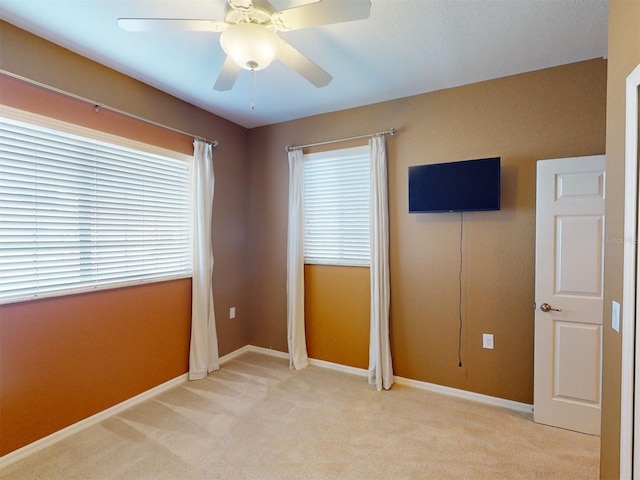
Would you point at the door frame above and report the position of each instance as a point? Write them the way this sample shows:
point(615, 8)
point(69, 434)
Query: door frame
point(630, 422)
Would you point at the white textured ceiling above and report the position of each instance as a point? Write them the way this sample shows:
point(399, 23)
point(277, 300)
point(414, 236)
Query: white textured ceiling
point(406, 47)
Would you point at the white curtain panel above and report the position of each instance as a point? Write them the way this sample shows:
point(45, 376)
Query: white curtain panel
point(296, 339)
point(203, 354)
point(380, 368)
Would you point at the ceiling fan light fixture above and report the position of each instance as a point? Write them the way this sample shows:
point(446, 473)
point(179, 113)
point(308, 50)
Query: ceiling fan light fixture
point(252, 46)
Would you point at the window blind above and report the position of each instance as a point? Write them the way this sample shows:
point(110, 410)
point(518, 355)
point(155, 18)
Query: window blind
point(78, 214)
point(336, 207)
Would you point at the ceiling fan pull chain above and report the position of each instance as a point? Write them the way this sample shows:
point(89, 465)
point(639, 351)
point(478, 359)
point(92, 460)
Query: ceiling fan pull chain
point(253, 89)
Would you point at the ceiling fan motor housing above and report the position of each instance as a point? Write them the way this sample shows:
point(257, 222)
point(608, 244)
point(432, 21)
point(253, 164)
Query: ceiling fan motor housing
point(256, 13)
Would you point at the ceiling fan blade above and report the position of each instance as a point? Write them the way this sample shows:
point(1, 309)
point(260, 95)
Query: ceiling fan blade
point(170, 25)
point(227, 76)
point(301, 64)
point(324, 12)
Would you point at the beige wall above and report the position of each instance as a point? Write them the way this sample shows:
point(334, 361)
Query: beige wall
point(624, 55)
point(65, 359)
point(552, 113)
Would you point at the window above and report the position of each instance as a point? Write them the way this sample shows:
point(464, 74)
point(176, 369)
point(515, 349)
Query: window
point(78, 213)
point(336, 207)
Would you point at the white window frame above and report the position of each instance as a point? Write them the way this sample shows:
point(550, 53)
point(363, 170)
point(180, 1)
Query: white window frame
point(343, 171)
point(101, 137)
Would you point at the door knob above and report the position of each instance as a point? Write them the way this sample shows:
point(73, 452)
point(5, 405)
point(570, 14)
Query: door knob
point(545, 307)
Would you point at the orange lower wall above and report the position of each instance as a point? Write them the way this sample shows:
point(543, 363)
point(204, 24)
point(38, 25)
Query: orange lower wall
point(337, 314)
point(66, 358)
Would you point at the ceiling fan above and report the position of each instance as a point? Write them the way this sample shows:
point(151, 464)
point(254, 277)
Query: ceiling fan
point(249, 38)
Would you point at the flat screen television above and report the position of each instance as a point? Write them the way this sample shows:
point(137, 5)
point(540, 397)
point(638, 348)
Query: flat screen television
point(470, 185)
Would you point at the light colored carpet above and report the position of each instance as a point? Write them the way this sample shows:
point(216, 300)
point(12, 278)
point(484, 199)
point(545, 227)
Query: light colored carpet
point(256, 419)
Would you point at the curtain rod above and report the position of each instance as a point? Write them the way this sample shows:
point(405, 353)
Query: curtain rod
point(97, 106)
point(391, 131)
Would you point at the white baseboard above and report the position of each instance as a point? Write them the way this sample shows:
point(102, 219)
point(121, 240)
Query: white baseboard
point(230, 356)
point(431, 387)
point(361, 372)
point(464, 394)
point(103, 415)
point(268, 351)
point(44, 442)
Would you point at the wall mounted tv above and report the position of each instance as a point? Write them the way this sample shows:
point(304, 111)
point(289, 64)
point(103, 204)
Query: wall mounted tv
point(470, 185)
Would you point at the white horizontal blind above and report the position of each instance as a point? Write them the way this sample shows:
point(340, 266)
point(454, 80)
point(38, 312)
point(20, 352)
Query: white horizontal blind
point(78, 214)
point(336, 207)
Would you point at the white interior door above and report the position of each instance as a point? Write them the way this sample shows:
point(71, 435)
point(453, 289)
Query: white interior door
point(570, 203)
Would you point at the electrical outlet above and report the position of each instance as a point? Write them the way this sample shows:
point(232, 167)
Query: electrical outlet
point(232, 313)
point(487, 340)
